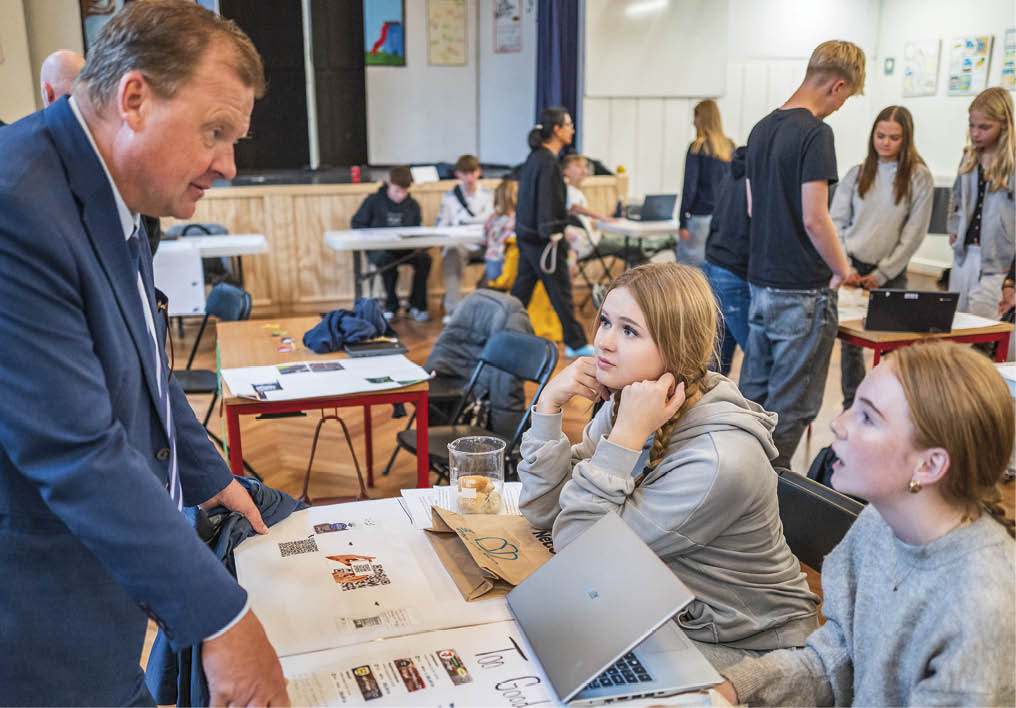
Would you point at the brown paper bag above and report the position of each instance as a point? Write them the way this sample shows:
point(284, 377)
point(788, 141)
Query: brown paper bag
point(487, 554)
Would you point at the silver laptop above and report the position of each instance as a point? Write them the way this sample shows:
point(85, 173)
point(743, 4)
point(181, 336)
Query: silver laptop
point(656, 207)
point(586, 610)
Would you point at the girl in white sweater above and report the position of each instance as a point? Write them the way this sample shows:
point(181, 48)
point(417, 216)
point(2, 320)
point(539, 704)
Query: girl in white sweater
point(681, 456)
point(918, 597)
point(881, 211)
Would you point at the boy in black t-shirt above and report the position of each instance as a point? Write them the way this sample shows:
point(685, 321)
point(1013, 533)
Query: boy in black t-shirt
point(392, 206)
point(795, 260)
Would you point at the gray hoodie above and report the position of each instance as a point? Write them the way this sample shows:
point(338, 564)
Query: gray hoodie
point(709, 510)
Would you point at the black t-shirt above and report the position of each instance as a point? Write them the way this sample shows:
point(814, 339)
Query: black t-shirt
point(786, 149)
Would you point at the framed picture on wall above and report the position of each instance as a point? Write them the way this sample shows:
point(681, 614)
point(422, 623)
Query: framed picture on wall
point(507, 26)
point(384, 34)
point(446, 32)
point(920, 67)
point(969, 61)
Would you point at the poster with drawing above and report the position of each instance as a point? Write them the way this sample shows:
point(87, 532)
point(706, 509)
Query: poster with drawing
point(446, 32)
point(920, 67)
point(507, 26)
point(384, 34)
point(1009, 61)
point(969, 61)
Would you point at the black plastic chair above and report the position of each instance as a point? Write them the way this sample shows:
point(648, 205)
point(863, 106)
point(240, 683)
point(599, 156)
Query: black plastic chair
point(524, 356)
point(442, 396)
point(227, 303)
point(815, 517)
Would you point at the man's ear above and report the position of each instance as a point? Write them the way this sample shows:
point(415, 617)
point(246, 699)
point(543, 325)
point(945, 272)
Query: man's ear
point(837, 85)
point(133, 97)
point(933, 463)
point(48, 94)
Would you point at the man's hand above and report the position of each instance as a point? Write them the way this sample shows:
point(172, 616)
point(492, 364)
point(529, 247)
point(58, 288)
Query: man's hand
point(1008, 300)
point(726, 689)
point(236, 498)
point(853, 280)
point(242, 668)
point(685, 234)
point(869, 282)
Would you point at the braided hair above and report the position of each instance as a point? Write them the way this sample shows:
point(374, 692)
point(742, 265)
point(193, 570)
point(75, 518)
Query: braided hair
point(958, 401)
point(681, 316)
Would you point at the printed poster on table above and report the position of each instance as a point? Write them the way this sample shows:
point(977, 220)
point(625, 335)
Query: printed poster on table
point(507, 26)
point(1009, 61)
point(485, 665)
point(969, 61)
point(446, 32)
point(920, 67)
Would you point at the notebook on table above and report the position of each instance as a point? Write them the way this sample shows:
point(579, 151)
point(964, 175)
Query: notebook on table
point(910, 310)
point(599, 616)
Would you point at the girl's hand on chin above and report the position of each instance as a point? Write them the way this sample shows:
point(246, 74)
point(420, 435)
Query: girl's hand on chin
point(645, 406)
point(576, 379)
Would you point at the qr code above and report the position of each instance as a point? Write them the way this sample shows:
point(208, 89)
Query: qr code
point(366, 622)
point(293, 548)
point(379, 578)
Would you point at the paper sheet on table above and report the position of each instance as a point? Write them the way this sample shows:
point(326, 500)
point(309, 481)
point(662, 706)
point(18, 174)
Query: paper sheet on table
point(1008, 370)
point(417, 502)
point(485, 665)
point(383, 579)
point(851, 304)
point(965, 320)
point(324, 377)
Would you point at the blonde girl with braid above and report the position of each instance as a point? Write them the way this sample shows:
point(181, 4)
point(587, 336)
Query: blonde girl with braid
point(918, 596)
point(681, 456)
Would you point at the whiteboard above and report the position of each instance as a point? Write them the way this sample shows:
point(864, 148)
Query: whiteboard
point(656, 48)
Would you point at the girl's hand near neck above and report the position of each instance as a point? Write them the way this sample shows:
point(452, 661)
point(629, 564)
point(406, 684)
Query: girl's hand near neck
point(645, 406)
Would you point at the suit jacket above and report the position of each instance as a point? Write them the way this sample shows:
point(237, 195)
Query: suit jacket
point(90, 541)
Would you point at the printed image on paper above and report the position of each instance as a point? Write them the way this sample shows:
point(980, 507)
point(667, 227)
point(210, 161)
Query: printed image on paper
point(920, 67)
point(446, 32)
point(969, 61)
point(507, 26)
point(1009, 61)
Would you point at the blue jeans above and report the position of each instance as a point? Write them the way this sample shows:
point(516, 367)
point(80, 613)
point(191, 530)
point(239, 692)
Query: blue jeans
point(851, 357)
point(733, 297)
point(693, 251)
point(790, 341)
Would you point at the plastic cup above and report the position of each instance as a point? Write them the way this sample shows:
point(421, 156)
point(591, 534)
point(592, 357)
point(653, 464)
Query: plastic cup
point(477, 473)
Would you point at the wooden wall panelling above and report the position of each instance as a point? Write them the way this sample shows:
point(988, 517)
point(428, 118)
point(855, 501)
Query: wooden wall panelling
point(300, 274)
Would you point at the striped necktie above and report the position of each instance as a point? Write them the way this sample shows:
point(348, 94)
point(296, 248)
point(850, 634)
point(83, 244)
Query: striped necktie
point(173, 485)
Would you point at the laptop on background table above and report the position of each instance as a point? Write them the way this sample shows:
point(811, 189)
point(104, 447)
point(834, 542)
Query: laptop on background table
point(656, 207)
point(910, 310)
point(599, 617)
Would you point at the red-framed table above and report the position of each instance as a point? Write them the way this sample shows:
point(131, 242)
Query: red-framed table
point(251, 343)
point(853, 331)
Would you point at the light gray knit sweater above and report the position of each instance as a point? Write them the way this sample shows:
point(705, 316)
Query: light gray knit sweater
point(947, 636)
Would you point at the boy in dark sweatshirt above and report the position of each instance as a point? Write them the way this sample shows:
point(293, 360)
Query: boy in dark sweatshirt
point(392, 206)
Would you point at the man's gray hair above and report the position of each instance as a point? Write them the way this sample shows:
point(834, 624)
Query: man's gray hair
point(165, 40)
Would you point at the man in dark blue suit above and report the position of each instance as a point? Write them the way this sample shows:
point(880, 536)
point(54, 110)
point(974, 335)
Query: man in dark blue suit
point(99, 449)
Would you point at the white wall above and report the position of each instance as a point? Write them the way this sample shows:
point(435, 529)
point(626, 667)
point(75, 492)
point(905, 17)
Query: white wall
point(767, 49)
point(16, 86)
point(51, 25)
point(422, 113)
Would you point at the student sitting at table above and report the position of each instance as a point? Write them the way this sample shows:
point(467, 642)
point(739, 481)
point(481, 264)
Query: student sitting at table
point(393, 206)
point(918, 596)
point(681, 456)
point(469, 202)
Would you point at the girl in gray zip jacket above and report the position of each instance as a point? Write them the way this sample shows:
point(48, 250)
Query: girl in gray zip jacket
point(681, 456)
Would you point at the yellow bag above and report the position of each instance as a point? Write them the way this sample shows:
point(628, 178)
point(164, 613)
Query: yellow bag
point(541, 314)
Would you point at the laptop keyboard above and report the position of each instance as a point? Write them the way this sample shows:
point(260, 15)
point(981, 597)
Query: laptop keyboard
point(627, 669)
